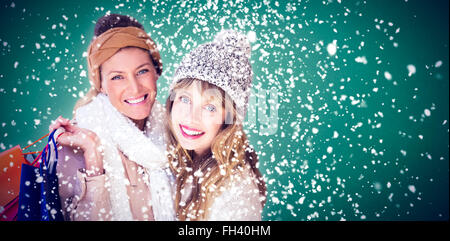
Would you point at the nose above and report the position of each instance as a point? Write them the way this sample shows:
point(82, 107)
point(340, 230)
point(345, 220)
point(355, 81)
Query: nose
point(133, 84)
point(195, 114)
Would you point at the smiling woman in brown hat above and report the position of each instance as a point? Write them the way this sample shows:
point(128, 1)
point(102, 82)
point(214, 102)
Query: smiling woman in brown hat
point(112, 165)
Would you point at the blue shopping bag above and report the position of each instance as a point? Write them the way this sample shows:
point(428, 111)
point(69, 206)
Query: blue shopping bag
point(39, 196)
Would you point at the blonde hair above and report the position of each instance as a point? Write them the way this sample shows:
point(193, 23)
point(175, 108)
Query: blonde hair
point(230, 151)
point(85, 99)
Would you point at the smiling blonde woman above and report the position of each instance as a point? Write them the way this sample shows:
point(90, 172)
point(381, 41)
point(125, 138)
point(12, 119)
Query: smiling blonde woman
point(112, 163)
point(217, 177)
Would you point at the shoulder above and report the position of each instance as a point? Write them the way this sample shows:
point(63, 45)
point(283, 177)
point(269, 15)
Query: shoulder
point(243, 181)
point(239, 198)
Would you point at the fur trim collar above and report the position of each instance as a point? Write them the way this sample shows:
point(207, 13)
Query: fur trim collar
point(146, 148)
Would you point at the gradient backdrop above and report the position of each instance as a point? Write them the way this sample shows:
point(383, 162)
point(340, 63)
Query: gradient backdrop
point(362, 92)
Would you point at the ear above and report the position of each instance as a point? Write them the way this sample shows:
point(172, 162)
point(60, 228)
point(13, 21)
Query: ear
point(102, 87)
point(102, 84)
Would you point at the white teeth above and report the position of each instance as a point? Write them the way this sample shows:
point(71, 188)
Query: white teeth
point(136, 100)
point(191, 133)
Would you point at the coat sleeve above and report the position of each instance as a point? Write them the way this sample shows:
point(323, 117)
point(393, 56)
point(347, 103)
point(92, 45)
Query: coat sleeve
point(240, 201)
point(82, 197)
point(93, 203)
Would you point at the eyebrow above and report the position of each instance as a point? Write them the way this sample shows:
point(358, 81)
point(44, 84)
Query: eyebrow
point(213, 100)
point(118, 71)
point(181, 91)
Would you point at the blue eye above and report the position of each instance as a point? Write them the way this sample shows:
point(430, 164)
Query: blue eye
point(117, 77)
point(142, 71)
point(185, 99)
point(210, 108)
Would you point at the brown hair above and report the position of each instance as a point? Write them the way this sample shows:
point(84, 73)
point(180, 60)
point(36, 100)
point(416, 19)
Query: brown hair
point(230, 152)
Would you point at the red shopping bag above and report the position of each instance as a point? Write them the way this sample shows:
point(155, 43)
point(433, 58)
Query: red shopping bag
point(10, 168)
point(11, 162)
point(10, 211)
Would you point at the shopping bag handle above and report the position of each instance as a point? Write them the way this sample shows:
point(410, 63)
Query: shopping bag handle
point(46, 152)
point(33, 144)
point(44, 155)
point(38, 157)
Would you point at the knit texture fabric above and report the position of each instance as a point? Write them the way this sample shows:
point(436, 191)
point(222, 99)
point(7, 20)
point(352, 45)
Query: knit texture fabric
point(225, 62)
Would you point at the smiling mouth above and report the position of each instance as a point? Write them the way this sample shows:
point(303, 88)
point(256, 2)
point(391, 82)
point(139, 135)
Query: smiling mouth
point(191, 133)
point(136, 101)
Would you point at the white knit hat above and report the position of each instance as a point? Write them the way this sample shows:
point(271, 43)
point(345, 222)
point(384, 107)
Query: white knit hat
point(225, 62)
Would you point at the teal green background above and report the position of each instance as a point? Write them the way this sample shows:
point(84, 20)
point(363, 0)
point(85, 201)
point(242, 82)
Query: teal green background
point(394, 165)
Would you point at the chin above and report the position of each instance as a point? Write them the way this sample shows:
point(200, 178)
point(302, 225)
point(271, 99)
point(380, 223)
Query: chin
point(186, 144)
point(139, 116)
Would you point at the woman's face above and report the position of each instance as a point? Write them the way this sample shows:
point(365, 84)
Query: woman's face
point(129, 80)
point(196, 118)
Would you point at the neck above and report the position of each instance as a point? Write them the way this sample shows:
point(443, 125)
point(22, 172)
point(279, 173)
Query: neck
point(140, 123)
point(200, 155)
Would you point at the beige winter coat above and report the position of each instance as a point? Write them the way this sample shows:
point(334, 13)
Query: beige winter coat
point(87, 198)
point(136, 184)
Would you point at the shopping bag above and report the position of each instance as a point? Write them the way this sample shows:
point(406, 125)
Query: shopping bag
point(9, 211)
point(10, 167)
point(39, 196)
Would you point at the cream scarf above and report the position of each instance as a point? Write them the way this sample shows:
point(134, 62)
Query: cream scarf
point(146, 148)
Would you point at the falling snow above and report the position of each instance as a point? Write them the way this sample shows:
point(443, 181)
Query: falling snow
point(359, 109)
point(387, 75)
point(332, 48)
point(411, 70)
point(361, 59)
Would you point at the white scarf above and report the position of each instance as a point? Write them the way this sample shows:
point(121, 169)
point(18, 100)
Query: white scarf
point(147, 149)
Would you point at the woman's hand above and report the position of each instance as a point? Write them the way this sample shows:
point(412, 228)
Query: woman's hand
point(84, 139)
